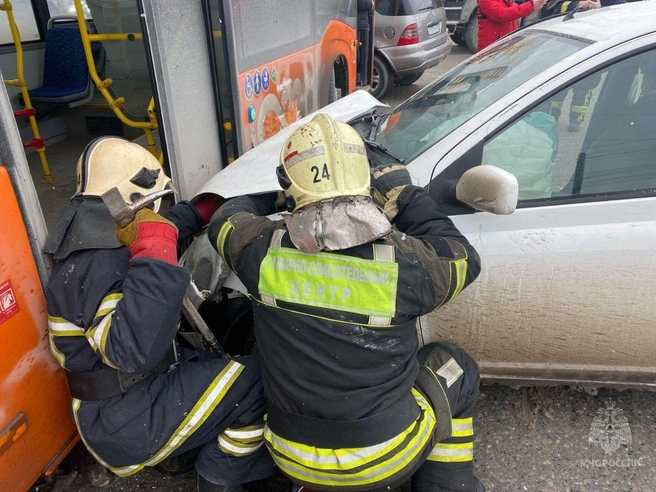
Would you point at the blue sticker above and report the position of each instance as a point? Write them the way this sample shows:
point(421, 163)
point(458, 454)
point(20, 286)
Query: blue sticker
point(257, 82)
point(265, 79)
point(248, 86)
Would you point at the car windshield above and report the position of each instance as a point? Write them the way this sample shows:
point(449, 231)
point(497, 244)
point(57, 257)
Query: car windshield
point(438, 109)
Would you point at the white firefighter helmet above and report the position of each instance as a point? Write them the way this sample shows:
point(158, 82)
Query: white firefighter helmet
point(321, 160)
point(109, 162)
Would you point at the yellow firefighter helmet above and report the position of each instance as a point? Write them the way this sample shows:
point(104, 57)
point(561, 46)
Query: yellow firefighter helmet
point(109, 162)
point(322, 160)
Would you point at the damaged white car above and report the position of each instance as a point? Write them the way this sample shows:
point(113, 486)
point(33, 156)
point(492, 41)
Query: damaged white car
point(568, 106)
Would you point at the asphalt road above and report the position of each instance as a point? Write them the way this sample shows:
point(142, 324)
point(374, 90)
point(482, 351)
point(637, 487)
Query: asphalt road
point(527, 439)
point(398, 94)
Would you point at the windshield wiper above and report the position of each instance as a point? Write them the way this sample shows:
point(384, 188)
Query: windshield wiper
point(381, 148)
point(375, 121)
point(370, 140)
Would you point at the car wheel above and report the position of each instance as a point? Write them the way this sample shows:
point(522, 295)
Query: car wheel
point(382, 78)
point(409, 80)
point(458, 38)
point(471, 33)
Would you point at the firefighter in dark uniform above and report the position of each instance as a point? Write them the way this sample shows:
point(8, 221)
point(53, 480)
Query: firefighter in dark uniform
point(336, 291)
point(582, 90)
point(114, 301)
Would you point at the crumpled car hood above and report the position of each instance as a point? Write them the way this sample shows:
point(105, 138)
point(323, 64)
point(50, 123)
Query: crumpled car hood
point(254, 172)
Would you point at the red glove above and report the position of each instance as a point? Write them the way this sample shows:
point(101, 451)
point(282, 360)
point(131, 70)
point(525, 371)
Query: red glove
point(206, 205)
point(150, 235)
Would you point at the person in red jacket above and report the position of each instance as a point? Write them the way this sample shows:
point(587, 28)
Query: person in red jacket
point(496, 18)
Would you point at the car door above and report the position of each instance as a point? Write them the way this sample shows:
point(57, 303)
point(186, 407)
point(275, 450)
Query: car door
point(567, 284)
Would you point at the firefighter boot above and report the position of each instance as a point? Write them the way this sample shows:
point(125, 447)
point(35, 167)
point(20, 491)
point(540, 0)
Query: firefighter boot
point(203, 485)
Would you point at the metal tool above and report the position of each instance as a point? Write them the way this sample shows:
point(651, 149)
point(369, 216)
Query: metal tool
point(124, 213)
point(194, 318)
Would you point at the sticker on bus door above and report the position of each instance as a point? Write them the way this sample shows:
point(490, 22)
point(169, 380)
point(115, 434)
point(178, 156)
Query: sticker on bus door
point(8, 302)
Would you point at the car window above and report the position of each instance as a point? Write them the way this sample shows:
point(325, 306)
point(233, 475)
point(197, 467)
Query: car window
point(595, 137)
point(405, 7)
point(438, 109)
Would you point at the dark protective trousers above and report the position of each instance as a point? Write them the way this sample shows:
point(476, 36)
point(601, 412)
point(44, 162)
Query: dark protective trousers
point(581, 95)
point(215, 406)
point(448, 465)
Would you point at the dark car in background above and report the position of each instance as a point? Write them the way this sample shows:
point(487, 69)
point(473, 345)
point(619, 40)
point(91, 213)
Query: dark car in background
point(411, 37)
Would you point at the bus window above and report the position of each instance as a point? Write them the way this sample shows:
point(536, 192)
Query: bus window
point(67, 7)
point(283, 65)
point(67, 124)
point(25, 20)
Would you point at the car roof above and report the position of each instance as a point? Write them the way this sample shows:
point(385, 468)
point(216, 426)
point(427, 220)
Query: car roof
point(618, 22)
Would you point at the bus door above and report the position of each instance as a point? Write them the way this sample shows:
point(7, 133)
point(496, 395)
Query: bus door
point(36, 430)
point(275, 65)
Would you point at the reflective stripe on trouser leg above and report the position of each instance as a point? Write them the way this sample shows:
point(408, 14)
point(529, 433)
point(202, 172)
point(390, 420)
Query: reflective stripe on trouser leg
point(580, 103)
point(244, 458)
point(241, 441)
point(450, 464)
point(355, 468)
point(203, 408)
point(460, 447)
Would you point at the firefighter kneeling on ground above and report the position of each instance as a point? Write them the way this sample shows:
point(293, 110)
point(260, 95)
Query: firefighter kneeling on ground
point(114, 301)
point(336, 292)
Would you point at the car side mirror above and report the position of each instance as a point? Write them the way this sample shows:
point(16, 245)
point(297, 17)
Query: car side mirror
point(488, 189)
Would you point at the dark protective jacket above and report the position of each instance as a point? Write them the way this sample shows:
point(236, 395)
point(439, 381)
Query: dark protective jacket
point(127, 320)
point(106, 310)
point(336, 330)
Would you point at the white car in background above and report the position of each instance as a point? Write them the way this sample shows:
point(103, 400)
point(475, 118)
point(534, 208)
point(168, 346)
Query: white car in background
point(568, 286)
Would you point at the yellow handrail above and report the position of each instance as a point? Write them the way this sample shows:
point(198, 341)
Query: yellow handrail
point(114, 104)
point(131, 36)
point(20, 82)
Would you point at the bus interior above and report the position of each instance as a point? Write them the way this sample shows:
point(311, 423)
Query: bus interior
point(193, 85)
point(64, 56)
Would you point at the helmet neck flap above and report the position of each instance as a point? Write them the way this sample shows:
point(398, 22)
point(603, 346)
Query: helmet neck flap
point(336, 224)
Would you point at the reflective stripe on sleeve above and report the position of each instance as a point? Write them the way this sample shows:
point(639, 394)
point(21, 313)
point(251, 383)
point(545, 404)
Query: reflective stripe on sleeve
point(59, 356)
point(461, 276)
point(221, 237)
point(195, 418)
point(62, 328)
point(354, 466)
point(462, 427)
point(452, 452)
point(97, 338)
point(108, 304)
